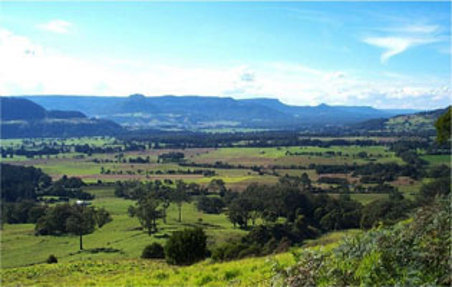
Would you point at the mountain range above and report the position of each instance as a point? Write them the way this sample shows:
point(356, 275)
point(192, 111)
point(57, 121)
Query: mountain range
point(199, 112)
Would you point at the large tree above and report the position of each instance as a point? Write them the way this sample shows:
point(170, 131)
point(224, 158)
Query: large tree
point(443, 126)
point(179, 196)
point(19, 182)
point(74, 219)
point(147, 212)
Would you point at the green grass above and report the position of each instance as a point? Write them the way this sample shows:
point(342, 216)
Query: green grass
point(363, 198)
point(140, 272)
point(20, 247)
point(331, 239)
point(277, 155)
point(89, 171)
point(92, 141)
point(438, 159)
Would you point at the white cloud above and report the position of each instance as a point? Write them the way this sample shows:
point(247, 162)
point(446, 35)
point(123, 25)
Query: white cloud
point(29, 68)
point(396, 45)
point(56, 26)
point(404, 38)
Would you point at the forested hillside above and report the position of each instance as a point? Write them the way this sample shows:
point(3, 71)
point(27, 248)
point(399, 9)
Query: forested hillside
point(22, 118)
point(408, 124)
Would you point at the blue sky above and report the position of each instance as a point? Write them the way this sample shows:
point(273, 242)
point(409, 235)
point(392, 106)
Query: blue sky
point(384, 54)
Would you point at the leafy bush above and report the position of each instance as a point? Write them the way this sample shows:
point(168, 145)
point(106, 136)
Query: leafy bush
point(387, 211)
point(24, 211)
point(154, 250)
point(410, 253)
point(438, 187)
point(52, 259)
point(228, 251)
point(211, 205)
point(186, 247)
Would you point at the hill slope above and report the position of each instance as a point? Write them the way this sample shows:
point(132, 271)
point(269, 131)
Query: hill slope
point(411, 124)
point(144, 272)
point(22, 118)
point(413, 252)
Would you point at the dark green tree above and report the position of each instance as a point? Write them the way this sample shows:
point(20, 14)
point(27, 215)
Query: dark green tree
point(74, 219)
point(81, 221)
point(186, 247)
point(443, 126)
point(217, 186)
point(154, 250)
point(147, 212)
point(305, 181)
point(239, 212)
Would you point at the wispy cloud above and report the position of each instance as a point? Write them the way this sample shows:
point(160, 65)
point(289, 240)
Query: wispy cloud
point(400, 39)
point(56, 26)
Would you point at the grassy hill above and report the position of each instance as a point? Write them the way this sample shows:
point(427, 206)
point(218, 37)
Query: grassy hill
point(413, 252)
point(141, 272)
point(418, 123)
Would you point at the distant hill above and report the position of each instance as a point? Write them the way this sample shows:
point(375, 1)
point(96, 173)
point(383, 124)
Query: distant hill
point(20, 109)
point(411, 124)
point(65, 115)
point(324, 114)
point(197, 113)
point(21, 118)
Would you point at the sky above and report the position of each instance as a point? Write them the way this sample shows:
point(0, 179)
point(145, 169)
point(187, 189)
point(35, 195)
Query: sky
point(381, 54)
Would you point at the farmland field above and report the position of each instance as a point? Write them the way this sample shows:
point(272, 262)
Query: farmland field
point(122, 240)
point(88, 167)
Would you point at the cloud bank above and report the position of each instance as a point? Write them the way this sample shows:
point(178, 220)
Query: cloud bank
point(29, 68)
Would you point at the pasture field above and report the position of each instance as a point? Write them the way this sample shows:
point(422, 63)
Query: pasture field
point(92, 141)
point(363, 198)
point(111, 167)
point(142, 272)
point(123, 239)
point(89, 168)
point(387, 139)
point(438, 159)
point(123, 234)
point(286, 156)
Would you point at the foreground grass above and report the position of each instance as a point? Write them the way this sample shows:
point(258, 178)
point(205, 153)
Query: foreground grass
point(141, 272)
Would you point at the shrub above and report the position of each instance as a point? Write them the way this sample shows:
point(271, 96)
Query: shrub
point(154, 250)
point(186, 247)
point(52, 259)
point(414, 252)
point(211, 205)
